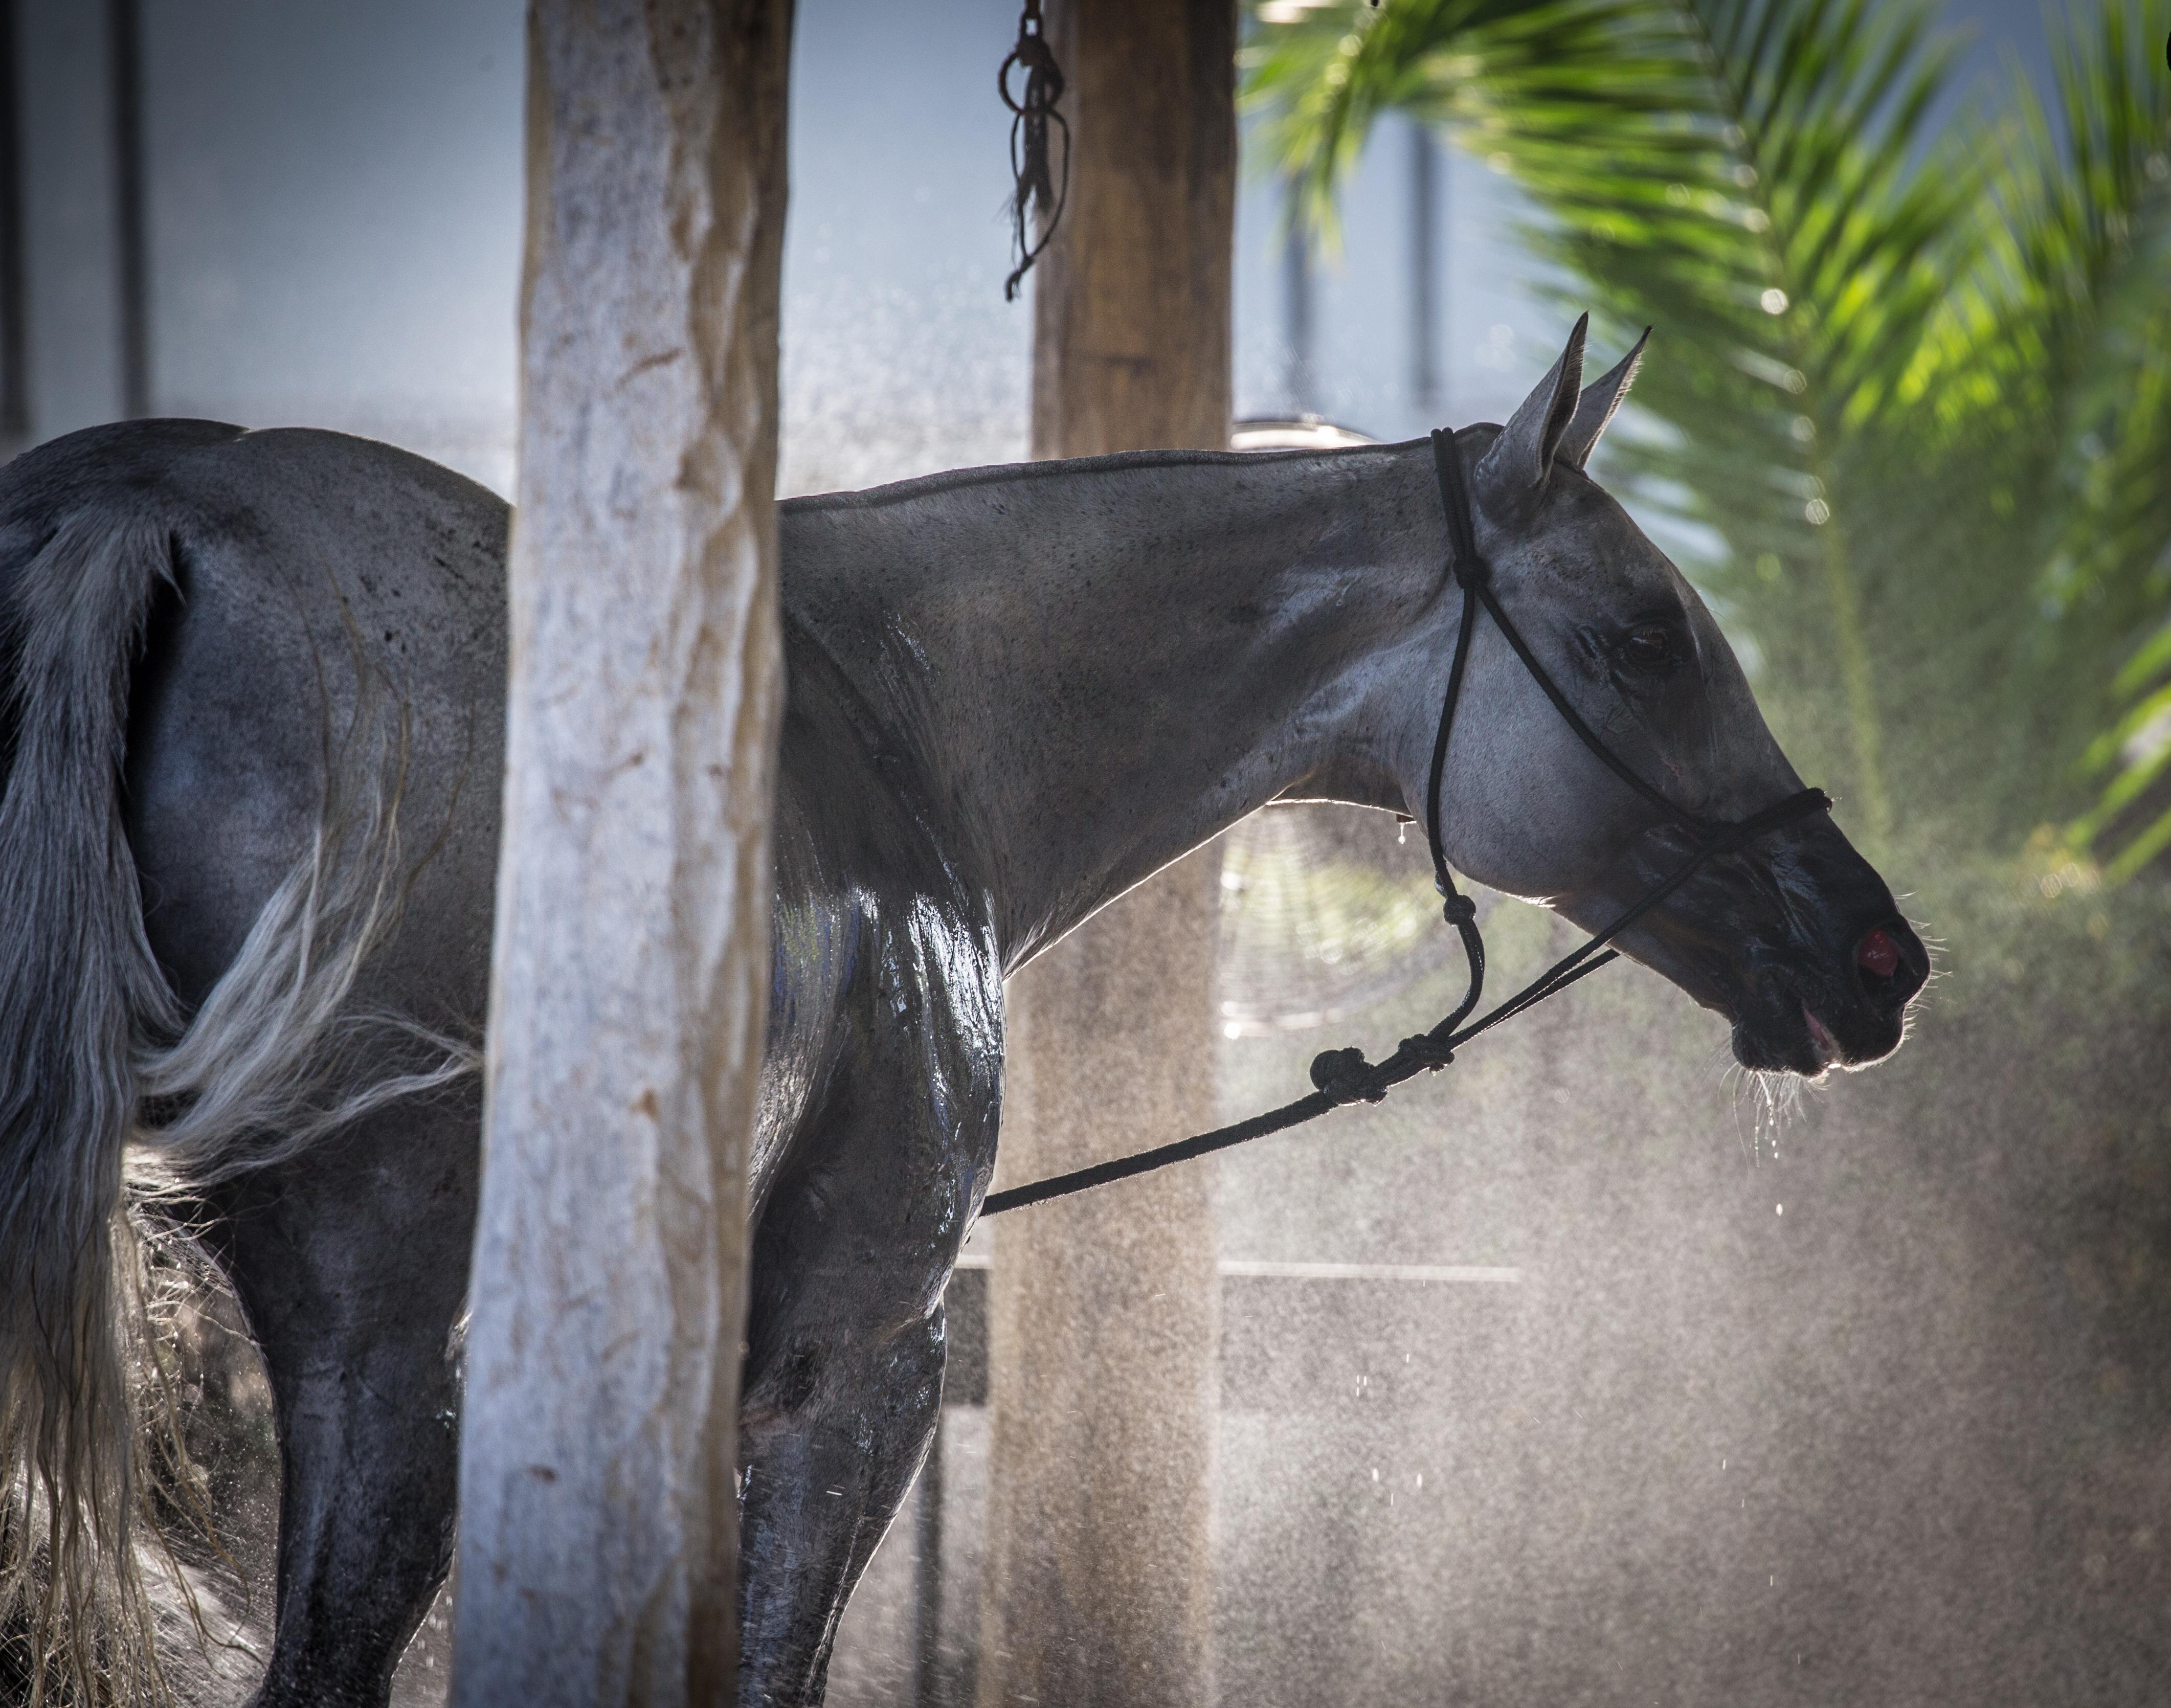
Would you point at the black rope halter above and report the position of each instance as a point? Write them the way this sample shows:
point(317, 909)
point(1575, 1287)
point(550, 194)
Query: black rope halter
point(1344, 1076)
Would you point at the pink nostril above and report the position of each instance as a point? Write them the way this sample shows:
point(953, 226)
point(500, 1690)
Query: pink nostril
point(1877, 954)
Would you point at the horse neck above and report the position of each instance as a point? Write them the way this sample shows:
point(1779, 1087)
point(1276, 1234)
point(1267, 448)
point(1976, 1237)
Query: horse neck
point(1098, 665)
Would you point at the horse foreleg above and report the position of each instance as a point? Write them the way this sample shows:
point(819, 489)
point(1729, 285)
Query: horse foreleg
point(823, 1479)
point(352, 1263)
point(843, 1371)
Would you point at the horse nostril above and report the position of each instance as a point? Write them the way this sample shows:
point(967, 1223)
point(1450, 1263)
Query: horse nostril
point(1877, 954)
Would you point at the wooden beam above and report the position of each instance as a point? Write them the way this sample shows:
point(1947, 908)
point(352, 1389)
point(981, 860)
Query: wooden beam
point(1104, 1332)
point(14, 324)
point(1428, 301)
point(1131, 303)
point(1299, 369)
point(599, 1522)
point(131, 217)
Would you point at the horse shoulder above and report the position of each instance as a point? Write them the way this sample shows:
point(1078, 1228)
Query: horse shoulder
point(886, 985)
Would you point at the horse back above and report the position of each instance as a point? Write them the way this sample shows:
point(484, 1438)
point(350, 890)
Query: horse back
point(322, 592)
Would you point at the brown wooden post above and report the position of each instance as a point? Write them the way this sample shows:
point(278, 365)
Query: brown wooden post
point(598, 1519)
point(1104, 1312)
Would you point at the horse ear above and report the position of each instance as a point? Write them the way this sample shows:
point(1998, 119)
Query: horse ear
point(1521, 459)
point(1600, 399)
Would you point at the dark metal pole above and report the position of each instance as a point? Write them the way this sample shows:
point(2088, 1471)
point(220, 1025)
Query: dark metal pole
point(124, 50)
point(1427, 301)
point(14, 339)
point(1298, 377)
point(927, 1572)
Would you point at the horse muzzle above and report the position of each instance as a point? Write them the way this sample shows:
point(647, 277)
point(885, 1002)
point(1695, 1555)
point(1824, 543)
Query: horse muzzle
point(1795, 939)
point(1839, 1001)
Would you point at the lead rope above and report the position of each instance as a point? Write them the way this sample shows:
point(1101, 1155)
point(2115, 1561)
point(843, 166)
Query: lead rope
point(1344, 1076)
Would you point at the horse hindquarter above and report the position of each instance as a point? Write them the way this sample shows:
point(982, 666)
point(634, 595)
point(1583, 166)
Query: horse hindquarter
point(211, 1034)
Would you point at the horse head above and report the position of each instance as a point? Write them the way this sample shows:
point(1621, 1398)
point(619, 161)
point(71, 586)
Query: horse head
point(1794, 938)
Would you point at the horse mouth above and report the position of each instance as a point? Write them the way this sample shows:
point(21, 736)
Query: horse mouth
point(1843, 1022)
point(1787, 1037)
point(1800, 947)
point(1821, 1042)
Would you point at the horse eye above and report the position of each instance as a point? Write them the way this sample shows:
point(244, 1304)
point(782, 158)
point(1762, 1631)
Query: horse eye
point(1650, 647)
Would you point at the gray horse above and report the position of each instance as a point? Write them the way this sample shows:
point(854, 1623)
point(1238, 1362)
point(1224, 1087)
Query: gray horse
point(253, 730)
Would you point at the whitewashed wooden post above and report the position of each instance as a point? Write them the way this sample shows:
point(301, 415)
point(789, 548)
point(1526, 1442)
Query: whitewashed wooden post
point(597, 1525)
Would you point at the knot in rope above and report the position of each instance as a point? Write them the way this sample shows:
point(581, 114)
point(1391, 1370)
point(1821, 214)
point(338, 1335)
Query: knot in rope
point(1429, 1052)
point(1035, 190)
point(1346, 1077)
point(1458, 909)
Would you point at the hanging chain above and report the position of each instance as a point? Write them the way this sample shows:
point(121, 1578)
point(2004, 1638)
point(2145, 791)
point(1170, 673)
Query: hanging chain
point(1038, 195)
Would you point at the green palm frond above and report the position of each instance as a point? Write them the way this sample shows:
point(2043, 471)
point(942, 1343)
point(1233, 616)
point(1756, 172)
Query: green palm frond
point(1749, 193)
point(1899, 374)
point(2088, 344)
point(1319, 84)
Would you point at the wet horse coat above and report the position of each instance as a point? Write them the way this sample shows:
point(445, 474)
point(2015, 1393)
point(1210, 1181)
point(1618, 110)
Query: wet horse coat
point(1014, 692)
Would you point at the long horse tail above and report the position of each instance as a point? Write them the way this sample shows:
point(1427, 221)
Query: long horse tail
point(108, 1092)
point(78, 988)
